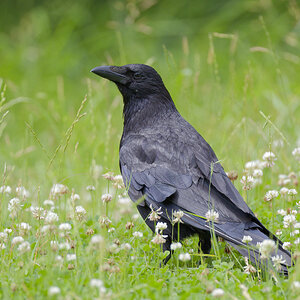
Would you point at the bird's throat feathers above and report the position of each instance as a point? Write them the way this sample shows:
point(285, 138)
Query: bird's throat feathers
point(145, 111)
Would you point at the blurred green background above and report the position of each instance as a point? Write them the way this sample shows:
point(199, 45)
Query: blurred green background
point(222, 61)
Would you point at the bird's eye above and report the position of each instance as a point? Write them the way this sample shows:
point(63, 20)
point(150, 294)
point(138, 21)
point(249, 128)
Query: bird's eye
point(137, 75)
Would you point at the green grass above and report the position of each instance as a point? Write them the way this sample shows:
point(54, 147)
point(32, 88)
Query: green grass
point(232, 70)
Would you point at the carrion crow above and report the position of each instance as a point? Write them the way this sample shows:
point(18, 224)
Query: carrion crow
point(168, 166)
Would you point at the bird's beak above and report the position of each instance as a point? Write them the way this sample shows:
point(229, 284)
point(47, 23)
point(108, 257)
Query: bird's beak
point(106, 72)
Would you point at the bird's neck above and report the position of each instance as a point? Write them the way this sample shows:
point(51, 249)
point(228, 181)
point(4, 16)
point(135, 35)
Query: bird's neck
point(146, 112)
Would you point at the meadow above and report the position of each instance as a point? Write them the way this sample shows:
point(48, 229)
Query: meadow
point(68, 229)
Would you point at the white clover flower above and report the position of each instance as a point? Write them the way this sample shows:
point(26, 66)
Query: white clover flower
point(286, 245)
point(113, 248)
point(118, 182)
point(294, 212)
point(58, 189)
point(292, 192)
point(126, 246)
point(297, 225)
point(96, 239)
point(270, 195)
point(38, 212)
point(212, 216)
point(248, 269)
point(48, 203)
point(159, 239)
point(54, 245)
point(109, 176)
point(155, 214)
point(75, 197)
point(247, 182)
point(71, 257)
point(278, 232)
point(266, 248)
point(283, 179)
point(277, 261)
point(283, 191)
point(96, 283)
point(64, 246)
point(17, 240)
point(297, 241)
point(247, 239)
point(160, 226)
point(137, 234)
point(14, 206)
point(3, 237)
point(105, 221)
point(24, 247)
point(257, 173)
point(296, 285)
point(45, 228)
point(2, 246)
point(289, 220)
point(177, 215)
point(269, 157)
point(184, 257)
point(296, 153)
point(111, 230)
point(106, 198)
point(65, 227)
point(8, 230)
point(135, 217)
point(59, 258)
point(53, 290)
point(51, 217)
point(80, 212)
point(217, 293)
point(175, 246)
point(24, 228)
point(22, 192)
point(295, 232)
point(252, 165)
point(281, 212)
point(90, 188)
point(5, 189)
point(124, 201)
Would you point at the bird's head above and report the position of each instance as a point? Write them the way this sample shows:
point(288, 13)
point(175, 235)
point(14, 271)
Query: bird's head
point(134, 80)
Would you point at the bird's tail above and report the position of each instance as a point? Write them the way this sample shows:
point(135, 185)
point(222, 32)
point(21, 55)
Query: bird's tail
point(251, 250)
point(233, 233)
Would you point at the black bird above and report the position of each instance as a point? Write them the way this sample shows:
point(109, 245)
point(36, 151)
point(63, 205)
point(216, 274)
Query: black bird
point(165, 163)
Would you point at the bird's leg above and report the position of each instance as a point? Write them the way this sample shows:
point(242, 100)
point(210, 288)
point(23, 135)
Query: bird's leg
point(166, 247)
point(204, 244)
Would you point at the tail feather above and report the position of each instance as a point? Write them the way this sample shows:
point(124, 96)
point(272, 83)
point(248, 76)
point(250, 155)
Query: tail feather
point(233, 233)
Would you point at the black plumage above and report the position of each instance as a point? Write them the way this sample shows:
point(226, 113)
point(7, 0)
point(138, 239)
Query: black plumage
point(166, 163)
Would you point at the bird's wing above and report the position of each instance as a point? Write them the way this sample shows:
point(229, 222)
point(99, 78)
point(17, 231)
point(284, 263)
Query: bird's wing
point(160, 167)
